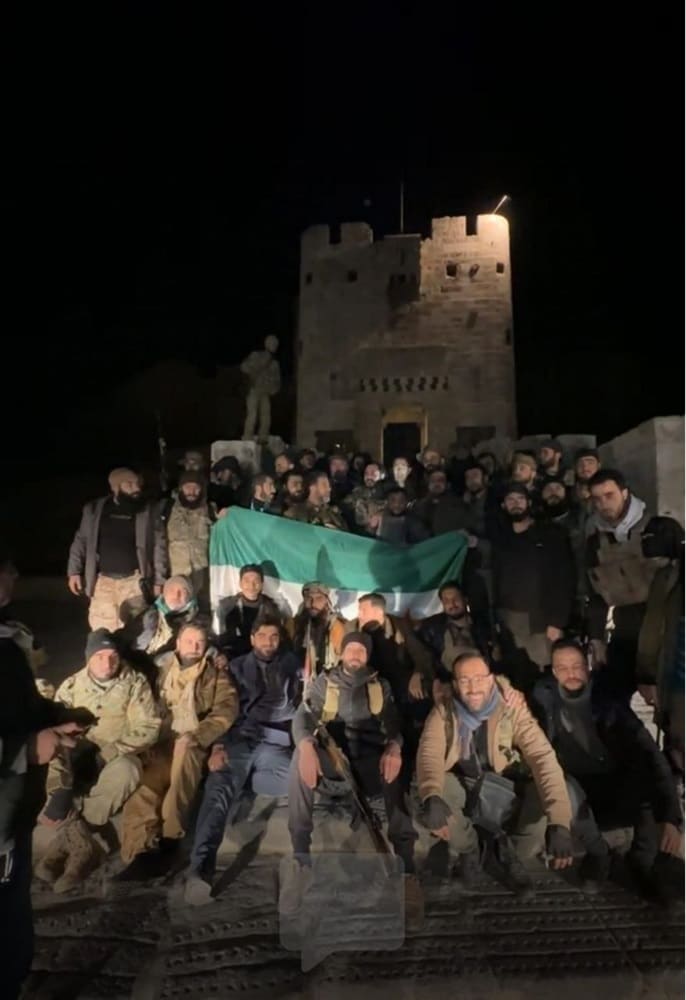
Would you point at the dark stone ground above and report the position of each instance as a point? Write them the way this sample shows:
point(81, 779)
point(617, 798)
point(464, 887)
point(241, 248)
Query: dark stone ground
point(144, 943)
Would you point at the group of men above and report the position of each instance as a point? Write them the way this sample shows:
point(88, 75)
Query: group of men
point(453, 723)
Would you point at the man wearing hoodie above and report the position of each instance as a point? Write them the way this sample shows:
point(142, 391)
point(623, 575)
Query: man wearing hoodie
point(620, 576)
point(357, 707)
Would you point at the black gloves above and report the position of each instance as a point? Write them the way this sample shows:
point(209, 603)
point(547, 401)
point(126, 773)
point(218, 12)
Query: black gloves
point(435, 813)
point(558, 842)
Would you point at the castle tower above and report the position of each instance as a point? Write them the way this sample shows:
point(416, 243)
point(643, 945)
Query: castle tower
point(405, 342)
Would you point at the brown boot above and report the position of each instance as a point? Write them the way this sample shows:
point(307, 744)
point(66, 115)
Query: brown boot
point(414, 904)
point(51, 865)
point(85, 854)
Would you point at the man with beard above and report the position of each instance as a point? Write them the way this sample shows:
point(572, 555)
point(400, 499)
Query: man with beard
point(626, 779)
point(198, 703)
point(283, 464)
point(550, 463)
point(471, 751)
point(396, 523)
point(364, 505)
point(524, 471)
point(620, 574)
point(317, 508)
point(586, 464)
point(188, 520)
point(237, 614)
point(441, 511)
point(357, 705)
point(263, 493)
point(176, 606)
point(342, 483)
point(226, 487)
point(256, 751)
point(452, 631)
point(317, 631)
point(555, 506)
point(292, 492)
point(118, 556)
point(534, 586)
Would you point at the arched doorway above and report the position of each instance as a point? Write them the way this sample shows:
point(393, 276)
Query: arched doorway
point(404, 431)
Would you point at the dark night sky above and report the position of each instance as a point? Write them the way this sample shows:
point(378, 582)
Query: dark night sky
point(158, 175)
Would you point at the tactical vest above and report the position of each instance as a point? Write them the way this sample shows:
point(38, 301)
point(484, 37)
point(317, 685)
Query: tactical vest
point(333, 694)
point(163, 633)
point(188, 537)
point(623, 575)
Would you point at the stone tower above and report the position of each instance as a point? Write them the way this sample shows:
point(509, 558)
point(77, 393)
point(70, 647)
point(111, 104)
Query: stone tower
point(405, 342)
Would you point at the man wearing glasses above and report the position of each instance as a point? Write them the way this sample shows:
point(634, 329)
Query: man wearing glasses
point(476, 758)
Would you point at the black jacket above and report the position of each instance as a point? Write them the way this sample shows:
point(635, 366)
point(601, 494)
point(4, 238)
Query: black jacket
point(533, 571)
point(626, 739)
point(432, 633)
point(235, 624)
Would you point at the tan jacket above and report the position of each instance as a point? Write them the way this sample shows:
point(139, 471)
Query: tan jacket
point(513, 736)
point(215, 700)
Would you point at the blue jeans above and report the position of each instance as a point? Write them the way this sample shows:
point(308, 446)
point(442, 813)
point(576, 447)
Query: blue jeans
point(262, 765)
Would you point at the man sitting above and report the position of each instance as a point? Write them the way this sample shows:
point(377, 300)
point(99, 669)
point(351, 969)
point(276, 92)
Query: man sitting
point(90, 784)
point(358, 708)
point(237, 614)
point(256, 751)
point(626, 779)
point(317, 630)
point(470, 747)
point(199, 703)
point(176, 606)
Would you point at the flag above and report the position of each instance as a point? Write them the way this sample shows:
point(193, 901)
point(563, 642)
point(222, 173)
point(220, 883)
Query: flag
point(291, 554)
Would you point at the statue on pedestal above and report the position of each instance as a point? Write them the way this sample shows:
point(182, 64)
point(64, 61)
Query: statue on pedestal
point(262, 369)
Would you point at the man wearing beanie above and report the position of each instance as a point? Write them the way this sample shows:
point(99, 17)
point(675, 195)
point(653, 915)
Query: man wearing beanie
point(89, 784)
point(188, 520)
point(117, 558)
point(357, 707)
point(533, 583)
point(550, 462)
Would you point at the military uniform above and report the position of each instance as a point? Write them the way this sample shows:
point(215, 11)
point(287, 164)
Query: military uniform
point(188, 544)
point(325, 516)
point(365, 502)
point(198, 701)
point(128, 723)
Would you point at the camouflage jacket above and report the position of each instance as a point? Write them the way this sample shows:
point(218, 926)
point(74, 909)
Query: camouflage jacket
point(325, 516)
point(365, 502)
point(188, 538)
point(128, 719)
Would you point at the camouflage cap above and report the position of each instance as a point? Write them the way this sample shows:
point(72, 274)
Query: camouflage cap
point(314, 587)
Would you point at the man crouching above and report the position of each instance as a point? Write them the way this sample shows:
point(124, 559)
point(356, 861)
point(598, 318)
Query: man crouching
point(471, 746)
point(89, 784)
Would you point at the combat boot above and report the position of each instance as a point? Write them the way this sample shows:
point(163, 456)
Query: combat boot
point(85, 854)
point(51, 865)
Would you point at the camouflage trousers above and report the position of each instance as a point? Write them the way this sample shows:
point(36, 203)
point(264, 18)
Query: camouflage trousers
point(116, 602)
point(161, 805)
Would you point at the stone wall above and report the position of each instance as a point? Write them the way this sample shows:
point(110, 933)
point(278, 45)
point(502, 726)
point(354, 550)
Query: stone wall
point(651, 456)
point(406, 322)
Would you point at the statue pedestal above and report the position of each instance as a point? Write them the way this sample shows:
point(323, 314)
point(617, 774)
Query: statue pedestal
point(253, 456)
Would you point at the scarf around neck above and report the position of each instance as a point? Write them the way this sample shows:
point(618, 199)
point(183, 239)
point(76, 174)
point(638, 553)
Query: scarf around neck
point(468, 722)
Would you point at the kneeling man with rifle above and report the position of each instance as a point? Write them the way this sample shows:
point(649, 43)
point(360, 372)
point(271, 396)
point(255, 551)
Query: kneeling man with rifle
point(348, 729)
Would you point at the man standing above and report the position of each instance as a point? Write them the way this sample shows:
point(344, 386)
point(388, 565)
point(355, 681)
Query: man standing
point(292, 492)
point(620, 576)
point(263, 492)
point(189, 519)
point(626, 779)
point(358, 708)
point(91, 784)
point(470, 751)
point(366, 501)
point(198, 704)
point(451, 632)
point(118, 556)
point(256, 751)
point(534, 583)
point(397, 524)
point(317, 508)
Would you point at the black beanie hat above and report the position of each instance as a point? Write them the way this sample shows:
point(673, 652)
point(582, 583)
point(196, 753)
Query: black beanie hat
point(99, 640)
point(360, 637)
point(516, 488)
point(191, 476)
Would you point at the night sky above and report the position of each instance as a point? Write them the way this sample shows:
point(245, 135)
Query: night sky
point(157, 177)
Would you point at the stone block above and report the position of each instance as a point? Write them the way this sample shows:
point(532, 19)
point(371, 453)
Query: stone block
point(248, 453)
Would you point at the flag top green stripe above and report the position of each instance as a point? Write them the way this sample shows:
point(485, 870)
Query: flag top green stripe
point(292, 551)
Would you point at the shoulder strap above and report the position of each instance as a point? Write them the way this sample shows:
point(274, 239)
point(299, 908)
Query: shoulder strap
point(375, 697)
point(449, 723)
point(330, 707)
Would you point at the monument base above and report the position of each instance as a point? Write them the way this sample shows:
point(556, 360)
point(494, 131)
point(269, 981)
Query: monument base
point(253, 456)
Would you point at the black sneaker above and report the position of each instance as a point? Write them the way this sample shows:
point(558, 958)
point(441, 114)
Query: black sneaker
point(514, 875)
point(595, 871)
point(468, 870)
point(662, 882)
point(148, 865)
